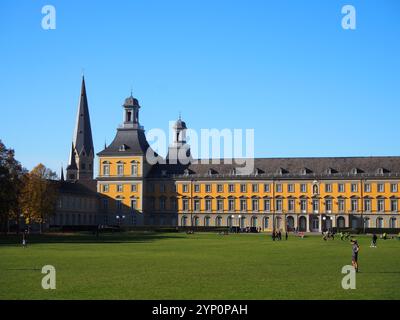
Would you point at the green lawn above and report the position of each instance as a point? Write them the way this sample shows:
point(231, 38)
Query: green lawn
point(200, 266)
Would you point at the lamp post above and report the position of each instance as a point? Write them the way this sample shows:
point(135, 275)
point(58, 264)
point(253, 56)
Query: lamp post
point(232, 221)
point(119, 218)
point(239, 220)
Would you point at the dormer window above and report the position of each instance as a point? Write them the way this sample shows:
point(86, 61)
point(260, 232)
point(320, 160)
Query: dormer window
point(381, 171)
point(186, 172)
point(281, 171)
point(233, 172)
point(122, 147)
point(354, 171)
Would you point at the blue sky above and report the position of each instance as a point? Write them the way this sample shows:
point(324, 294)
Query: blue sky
point(285, 68)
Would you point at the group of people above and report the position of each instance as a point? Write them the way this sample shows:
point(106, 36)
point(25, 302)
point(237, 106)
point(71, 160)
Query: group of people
point(277, 235)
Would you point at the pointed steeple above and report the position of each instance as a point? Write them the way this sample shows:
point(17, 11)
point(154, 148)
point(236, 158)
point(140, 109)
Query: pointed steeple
point(83, 141)
point(72, 161)
point(62, 173)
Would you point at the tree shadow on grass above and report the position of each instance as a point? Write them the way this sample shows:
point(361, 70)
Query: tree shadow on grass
point(80, 238)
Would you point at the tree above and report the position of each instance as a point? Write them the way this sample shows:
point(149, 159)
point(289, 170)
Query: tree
point(39, 195)
point(11, 177)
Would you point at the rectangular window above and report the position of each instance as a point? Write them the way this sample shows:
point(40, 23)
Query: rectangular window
point(162, 203)
point(220, 205)
point(120, 169)
point(231, 188)
point(185, 188)
point(197, 188)
point(134, 169)
point(196, 205)
point(303, 205)
point(255, 187)
point(119, 205)
point(119, 188)
point(303, 188)
point(381, 187)
point(354, 187)
point(266, 187)
point(267, 205)
point(367, 187)
point(278, 204)
point(208, 204)
point(315, 203)
point(220, 188)
point(354, 205)
point(393, 205)
point(340, 187)
point(133, 204)
point(208, 188)
point(231, 204)
point(291, 205)
point(254, 203)
point(381, 205)
point(243, 204)
point(393, 187)
point(367, 205)
point(341, 205)
point(133, 187)
point(243, 188)
point(162, 188)
point(328, 187)
point(185, 204)
point(105, 204)
point(290, 188)
point(328, 205)
point(106, 169)
point(278, 187)
point(106, 187)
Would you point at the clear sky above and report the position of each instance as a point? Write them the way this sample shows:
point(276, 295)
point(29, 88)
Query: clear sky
point(285, 68)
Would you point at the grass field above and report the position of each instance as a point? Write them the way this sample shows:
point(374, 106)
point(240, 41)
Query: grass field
point(199, 266)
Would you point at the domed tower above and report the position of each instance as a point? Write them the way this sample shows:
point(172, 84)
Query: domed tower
point(179, 150)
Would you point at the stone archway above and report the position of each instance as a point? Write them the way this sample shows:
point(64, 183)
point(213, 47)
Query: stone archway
point(290, 223)
point(303, 224)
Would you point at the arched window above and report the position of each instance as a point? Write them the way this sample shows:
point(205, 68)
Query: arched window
point(392, 222)
point(379, 222)
point(134, 168)
point(196, 221)
point(184, 221)
point(315, 189)
point(266, 222)
point(254, 222)
point(218, 221)
point(207, 221)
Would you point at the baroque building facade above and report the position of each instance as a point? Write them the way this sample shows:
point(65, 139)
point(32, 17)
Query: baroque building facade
point(307, 194)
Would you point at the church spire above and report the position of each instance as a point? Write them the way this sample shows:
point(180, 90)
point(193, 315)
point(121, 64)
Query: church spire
point(83, 141)
point(62, 173)
point(82, 152)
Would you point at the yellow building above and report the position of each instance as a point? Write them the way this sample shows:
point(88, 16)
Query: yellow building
point(307, 194)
